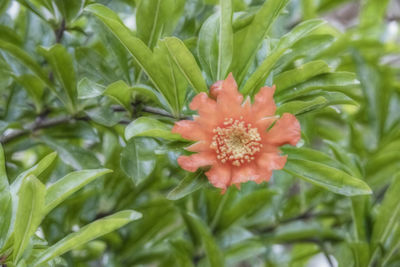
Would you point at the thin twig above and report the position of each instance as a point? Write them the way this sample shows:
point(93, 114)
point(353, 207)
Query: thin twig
point(60, 31)
point(326, 254)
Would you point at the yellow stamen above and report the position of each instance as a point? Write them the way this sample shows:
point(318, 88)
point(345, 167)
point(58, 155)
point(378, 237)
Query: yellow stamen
point(236, 141)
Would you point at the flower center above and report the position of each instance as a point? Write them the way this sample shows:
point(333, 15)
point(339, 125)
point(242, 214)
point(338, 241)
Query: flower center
point(236, 141)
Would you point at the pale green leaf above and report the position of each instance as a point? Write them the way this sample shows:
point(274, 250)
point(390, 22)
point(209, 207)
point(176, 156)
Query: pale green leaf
point(86, 234)
point(69, 184)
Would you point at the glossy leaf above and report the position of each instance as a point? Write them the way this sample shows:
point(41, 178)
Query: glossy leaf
point(62, 65)
point(138, 159)
point(332, 179)
point(257, 79)
point(191, 183)
point(199, 229)
point(300, 107)
point(388, 214)
point(87, 233)
point(245, 206)
point(89, 89)
point(5, 200)
point(69, 184)
point(186, 63)
point(301, 74)
point(248, 40)
point(146, 126)
point(29, 213)
point(121, 93)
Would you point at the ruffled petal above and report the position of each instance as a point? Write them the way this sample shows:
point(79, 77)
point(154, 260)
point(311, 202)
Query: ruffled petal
point(270, 161)
point(200, 146)
point(264, 104)
point(228, 93)
point(190, 130)
point(264, 123)
point(220, 175)
point(265, 177)
point(285, 131)
point(245, 173)
point(193, 162)
point(203, 104)
point(216, 88)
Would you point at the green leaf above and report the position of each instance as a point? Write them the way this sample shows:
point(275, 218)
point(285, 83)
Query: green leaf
point(4, 185)
point(89, 89)
point(186, 63)
point(145, 126)
point(159, 67)
point(36, 170)
point(200, 231)
point(154, 17)
point(171, 78)
point(9, 35)
point(192, 182)
point(248, 40)
point(69, 9)
point(62, 65)
point(34, 86)
point(29, 213)
point(330, 178)
point(245, 206)
point(344, 82)
point(225, 40)
point(73, 155)
point(137, 158)
point(5, 200)
point(301, 74)
point(120, 92)
point(26, 59)
point(69, 184)
point(300, 107)
point(87, 234)
point(388, 214)
point(257, 79)
point(207, 47)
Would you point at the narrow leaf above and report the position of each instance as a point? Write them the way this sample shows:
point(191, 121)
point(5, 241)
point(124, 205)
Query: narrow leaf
point(87, 233)
point(257, 79)
point(29, 213)
point(68, 185)
point(192, 182)
point(186, 63)
point(145, 126)
point(330, 178)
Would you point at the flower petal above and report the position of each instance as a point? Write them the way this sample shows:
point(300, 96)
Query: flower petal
point(200, 146)
point(203, 104)
point(264, 104)
point(242, 174)
point(220, 175)
point(265, 177)
point(285, 131)
point(228, 93)
point(270, 161)
point(193, 162)
point(190, 130)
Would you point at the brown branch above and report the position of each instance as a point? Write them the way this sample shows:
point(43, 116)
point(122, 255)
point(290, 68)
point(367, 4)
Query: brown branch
point(60, 31)
point(40, 123)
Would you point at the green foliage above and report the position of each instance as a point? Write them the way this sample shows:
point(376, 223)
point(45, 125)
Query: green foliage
point(90, 91)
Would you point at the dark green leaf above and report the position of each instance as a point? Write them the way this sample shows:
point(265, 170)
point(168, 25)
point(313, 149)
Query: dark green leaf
point(192, 182)
point(327, 177)
point(145, 126)
point(69, 184)
point(87, 233)
point(138, 158)
point(29, 213)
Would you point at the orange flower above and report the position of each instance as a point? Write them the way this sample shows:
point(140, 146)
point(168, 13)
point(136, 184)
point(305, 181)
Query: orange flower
point(235, 138)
